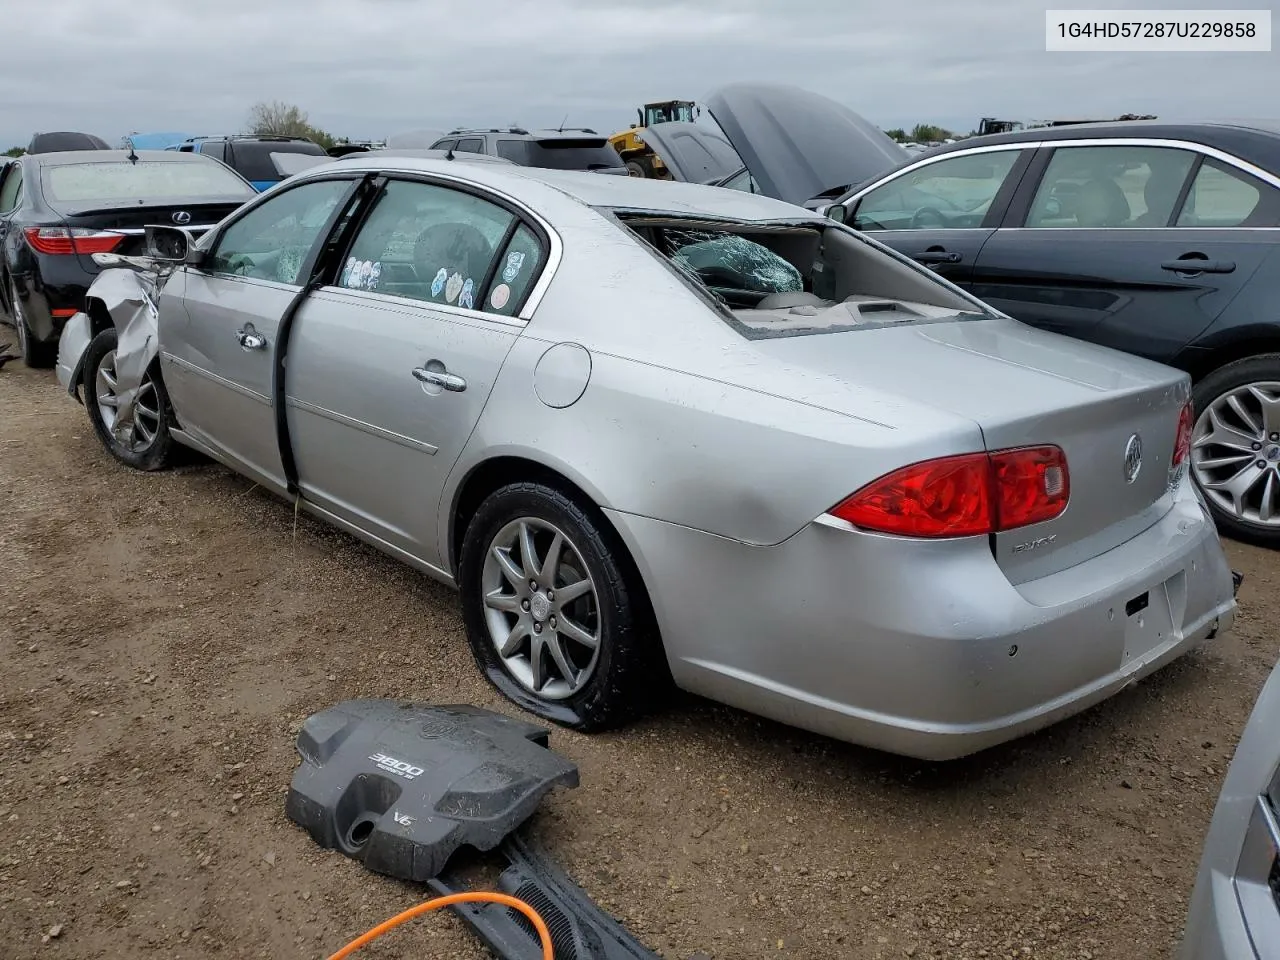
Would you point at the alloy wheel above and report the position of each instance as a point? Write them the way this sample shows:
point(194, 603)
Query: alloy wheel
point(541, 608)
point(146, 407)
point(1235, 453)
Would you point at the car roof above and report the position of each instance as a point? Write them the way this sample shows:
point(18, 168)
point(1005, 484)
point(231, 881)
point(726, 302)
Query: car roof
point(1256, 141)
point(520, 133)
point(597, 190)
point(114, 156)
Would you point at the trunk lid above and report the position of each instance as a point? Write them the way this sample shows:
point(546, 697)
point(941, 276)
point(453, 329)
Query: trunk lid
point(797, 144)
point(1025, 387)
point(130, 218)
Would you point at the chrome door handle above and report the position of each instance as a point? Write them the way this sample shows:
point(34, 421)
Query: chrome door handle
point(438, 378)
point(249, 338)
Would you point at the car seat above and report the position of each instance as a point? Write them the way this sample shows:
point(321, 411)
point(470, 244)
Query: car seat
point(1101, 203)
point(454, 247)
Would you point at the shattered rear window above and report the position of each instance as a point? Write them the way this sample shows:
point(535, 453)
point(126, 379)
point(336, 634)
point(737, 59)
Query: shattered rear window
point(728, 260)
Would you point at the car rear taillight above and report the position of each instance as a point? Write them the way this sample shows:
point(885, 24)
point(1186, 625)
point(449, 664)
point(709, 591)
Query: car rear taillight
point(60, 241)
point(1181, 445)
point(963, 496)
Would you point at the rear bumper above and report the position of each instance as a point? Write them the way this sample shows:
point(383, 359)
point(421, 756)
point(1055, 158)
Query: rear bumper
point(925, 648)
point(59, 285)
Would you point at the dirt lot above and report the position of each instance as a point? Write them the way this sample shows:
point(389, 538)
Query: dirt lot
point(164, 635)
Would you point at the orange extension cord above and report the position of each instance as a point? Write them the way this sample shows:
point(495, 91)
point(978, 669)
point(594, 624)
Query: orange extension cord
point(477, 897)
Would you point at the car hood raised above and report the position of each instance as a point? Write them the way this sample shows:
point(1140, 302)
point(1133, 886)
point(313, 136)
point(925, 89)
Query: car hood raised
point(798, 144)
point(691, 151)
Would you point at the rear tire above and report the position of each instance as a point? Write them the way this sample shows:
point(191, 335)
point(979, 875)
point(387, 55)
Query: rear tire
point(637, 168)
point(34, 354)
point(149, 446)
point(524, 638)
point(1236, 429)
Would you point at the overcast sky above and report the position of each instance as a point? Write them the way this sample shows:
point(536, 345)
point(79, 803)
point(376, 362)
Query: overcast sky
point(371, 68)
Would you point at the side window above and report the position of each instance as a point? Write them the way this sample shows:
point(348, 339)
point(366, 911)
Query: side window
point(271, 241)
point(444, 145)
point(427, 242)
point(471, 145)
point(519, 266)
point(741, 181)
point(1223, 197)
point(11, 189)
point(512, 150)
point(1094, 187)
point(951, 193)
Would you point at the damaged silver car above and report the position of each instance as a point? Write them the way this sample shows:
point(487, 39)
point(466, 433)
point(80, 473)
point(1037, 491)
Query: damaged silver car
point(661, 431)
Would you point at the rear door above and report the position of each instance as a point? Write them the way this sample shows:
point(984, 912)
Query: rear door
point(942, 212)
point(390, 365)
point(1133, 245)
point(219, 323)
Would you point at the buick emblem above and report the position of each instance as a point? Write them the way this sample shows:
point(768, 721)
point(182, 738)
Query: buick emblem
point(182, 218)
point(1132, 458)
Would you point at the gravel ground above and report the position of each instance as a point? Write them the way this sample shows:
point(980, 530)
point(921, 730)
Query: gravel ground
point(164, 635)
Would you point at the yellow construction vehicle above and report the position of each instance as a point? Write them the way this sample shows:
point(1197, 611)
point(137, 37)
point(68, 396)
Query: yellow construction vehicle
point(642, 161)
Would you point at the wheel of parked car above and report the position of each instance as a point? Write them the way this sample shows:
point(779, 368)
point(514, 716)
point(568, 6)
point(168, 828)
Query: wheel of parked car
point(1235, 447)
point(144, 445)
point(553, 613)
point(34, 354)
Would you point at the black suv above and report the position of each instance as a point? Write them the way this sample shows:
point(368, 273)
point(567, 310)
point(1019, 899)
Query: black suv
point(579, 148)
point(263, 161)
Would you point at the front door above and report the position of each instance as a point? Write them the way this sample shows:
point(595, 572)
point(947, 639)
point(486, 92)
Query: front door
point(941, 214)
point(1130, 246)
point(219, 327)
point(390, 365)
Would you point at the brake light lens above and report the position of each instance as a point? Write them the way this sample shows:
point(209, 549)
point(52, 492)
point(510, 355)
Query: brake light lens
point(964, 496)
point(1182, 443)
point(61, 241)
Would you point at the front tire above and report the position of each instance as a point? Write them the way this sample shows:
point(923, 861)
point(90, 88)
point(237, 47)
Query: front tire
point(554, 613)
point(1235, 448)
point(147, 443)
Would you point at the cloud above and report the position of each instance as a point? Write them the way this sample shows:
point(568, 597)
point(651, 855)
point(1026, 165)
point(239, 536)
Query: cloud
point(377, 67)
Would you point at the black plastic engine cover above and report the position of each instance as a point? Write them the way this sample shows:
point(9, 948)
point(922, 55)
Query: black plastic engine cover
point(401, 786)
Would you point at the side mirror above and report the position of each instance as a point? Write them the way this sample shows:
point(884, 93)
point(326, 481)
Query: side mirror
point(169, 244)
point(836, 212)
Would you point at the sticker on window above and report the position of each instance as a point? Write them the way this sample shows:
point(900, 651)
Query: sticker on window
point(438, 283)
point(501, 294)
point(515, 263)
point(453, 287)
point(467, 298)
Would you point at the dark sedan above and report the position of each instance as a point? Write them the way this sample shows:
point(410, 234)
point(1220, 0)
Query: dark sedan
point(58, 209)
point(1160, 239)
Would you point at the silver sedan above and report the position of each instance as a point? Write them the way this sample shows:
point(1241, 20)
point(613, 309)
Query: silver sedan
point(663, 432)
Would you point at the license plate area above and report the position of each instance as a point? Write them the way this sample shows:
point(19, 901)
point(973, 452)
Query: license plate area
point(1149, 621)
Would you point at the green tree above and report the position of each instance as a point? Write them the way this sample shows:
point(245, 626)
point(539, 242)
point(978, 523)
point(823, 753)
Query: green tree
point(15, 152)
point(897, 133)
point(286, 120)
point(923, 132)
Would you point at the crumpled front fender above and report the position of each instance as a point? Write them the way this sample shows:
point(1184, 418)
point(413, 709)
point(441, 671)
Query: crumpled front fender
point(128, 296)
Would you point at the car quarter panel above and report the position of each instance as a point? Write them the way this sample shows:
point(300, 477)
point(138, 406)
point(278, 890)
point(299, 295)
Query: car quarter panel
point(684, 419)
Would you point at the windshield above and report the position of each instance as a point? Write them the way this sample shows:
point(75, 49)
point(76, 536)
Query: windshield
point(146, 180)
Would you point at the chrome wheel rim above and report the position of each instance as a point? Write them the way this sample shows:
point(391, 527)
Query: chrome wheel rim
point(1235, 453)
point(146, 407)
point(541, 608)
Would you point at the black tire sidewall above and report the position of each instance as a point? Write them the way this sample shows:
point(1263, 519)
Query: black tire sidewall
point(1220, 381)
point(621, 686)
point(160, 453)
